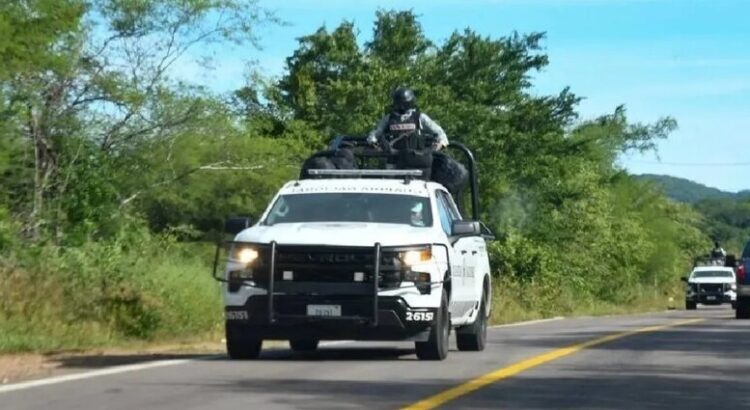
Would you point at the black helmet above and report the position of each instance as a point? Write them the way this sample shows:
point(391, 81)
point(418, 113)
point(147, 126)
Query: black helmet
point(716, 244)
point(403, 100)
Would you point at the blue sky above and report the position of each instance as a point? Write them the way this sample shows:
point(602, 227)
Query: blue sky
point(689, 59)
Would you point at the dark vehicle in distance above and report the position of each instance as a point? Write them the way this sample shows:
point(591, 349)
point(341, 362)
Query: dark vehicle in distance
point(743, 284)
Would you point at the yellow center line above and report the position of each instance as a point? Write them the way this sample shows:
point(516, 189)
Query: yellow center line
point(516, 368)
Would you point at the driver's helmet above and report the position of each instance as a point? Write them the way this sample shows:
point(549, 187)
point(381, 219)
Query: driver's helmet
point(403, 100)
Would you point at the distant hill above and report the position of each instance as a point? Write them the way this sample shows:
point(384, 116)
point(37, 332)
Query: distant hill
point(685, 190)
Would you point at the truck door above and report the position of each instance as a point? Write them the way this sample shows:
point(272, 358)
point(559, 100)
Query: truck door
point(463, 257)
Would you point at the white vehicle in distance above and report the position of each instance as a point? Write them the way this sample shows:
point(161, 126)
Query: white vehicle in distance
point(358, 255)
point(710, 285)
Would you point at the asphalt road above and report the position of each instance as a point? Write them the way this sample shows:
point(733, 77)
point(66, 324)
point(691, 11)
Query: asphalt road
point(701, 364)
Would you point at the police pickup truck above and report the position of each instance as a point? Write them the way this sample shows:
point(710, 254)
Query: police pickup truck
point(363, 254)
point(710, 285)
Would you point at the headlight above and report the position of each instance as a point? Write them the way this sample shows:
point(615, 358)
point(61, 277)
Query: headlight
point(243, 254)
point(416, 256)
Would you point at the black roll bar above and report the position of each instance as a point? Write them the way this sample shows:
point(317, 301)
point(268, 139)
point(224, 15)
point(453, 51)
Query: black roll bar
point(271, 279)
point(475, 211)
point(375, 288)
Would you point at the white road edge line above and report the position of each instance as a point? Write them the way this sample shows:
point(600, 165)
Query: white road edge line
point(122, 369)
point(90, 374)
point(528, 322)
point(164, 363)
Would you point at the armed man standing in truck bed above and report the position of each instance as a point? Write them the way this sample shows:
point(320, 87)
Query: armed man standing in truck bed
point(406, 120)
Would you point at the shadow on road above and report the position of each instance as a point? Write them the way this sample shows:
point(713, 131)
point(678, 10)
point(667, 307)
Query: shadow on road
point(96, 361)
point(327, 391)
point(338, 354)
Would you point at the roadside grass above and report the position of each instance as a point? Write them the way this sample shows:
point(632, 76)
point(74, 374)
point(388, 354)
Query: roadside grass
point(160, 292)
point(514, 302)
point(98, 297)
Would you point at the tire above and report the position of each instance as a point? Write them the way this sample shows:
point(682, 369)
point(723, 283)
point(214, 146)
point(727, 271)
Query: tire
point(690, 305)
point(303, 345)
point(344, 159)
point(436, 347)
point(449, 173)
point(320, 160)
point(473, 338)
point(743, 308)
point(734, 305)
point(240, 345)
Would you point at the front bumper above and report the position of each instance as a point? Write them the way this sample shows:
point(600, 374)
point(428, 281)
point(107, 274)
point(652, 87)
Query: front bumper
point(395, 319)
point(711, 298)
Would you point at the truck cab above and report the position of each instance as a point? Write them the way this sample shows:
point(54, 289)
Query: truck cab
point(357, 255)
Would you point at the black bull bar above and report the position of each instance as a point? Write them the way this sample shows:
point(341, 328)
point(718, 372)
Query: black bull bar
point(346, 288)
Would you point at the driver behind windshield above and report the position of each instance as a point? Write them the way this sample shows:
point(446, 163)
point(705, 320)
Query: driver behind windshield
point(417, 217)
point(405, 120)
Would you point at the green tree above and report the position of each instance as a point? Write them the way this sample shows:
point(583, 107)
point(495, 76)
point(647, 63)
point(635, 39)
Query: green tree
point(571, 217)
point(90, 84)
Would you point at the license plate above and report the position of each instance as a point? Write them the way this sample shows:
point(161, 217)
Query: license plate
point(324, 310)
point(710, 297)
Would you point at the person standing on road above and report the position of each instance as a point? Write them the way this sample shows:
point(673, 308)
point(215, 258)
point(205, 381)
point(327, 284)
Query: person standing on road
point(404, 121)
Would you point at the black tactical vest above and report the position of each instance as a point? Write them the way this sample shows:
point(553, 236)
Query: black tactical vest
point(405, 133)
point(406, 137)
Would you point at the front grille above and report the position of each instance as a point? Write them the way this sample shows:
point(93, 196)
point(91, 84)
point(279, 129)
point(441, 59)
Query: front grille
point(329, 265)
point(325, 257)
point(712, 287)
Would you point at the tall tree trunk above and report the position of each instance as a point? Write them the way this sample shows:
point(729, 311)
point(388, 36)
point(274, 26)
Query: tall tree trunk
point(44, 167)
point(38, 196)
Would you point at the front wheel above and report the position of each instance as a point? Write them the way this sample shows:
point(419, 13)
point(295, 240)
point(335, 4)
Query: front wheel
point(690, 305)
point(436, 347)
point(240, 345)
point(473, 338)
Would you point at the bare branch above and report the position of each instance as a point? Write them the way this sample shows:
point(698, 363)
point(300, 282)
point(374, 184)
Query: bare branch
point(212, 167)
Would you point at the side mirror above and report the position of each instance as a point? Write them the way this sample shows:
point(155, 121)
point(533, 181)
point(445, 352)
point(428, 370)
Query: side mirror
point(236, 224)
point(684, 279)
point(466, 228)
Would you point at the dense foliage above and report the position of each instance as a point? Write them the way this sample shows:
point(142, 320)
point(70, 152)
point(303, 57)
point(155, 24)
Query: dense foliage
point(111, 167)
point(726, 221)
point(725, 216)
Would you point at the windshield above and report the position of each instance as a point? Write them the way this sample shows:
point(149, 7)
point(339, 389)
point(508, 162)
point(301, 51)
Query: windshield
point(713, 274)
point(351, 207)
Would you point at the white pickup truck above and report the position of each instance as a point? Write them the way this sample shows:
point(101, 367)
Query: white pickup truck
point(357, 255)
point(710, 285)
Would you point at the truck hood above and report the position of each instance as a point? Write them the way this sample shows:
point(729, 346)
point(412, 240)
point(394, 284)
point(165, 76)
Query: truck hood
point(338, 234)
point(711, 280)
